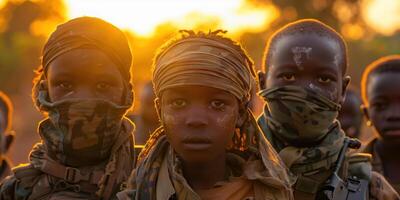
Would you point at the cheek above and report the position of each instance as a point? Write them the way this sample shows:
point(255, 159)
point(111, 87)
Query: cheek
point(330, 92)
point(171, 120)
point(117, 95)
point(226, 123)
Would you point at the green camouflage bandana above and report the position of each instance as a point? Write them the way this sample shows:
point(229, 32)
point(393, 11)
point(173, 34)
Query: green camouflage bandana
point(297, 115)
point(80, 131)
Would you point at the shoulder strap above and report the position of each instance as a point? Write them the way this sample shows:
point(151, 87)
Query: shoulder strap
point(70, 174)
point(360, 166)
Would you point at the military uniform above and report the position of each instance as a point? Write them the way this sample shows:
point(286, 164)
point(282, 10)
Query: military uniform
point(311, 167)
point(376, 160)
point(46, 178)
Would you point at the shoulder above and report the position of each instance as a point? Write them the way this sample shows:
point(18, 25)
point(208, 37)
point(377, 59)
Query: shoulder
point(20, 183)
point(381, 189)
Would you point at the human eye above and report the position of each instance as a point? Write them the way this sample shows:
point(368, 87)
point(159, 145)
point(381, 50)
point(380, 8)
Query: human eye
point(102, 86)
point(379, 105)
point(218, 104)
point(288, 76)
point(178, 103)
point(324, 79)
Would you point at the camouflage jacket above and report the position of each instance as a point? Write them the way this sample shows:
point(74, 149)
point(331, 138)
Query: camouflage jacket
point(48, 179)
point(307, 178)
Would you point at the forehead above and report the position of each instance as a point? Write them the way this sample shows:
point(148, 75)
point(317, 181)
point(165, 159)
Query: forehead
point(310, 45)
point(196, 91)
point(381, 85)
point(84, 61)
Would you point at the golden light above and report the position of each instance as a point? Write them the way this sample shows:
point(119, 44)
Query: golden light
point(143, 17)
point(352, 31)
point(382, 15)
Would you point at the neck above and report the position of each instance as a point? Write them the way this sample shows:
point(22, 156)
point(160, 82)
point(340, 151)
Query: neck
point(205, 175)
point(388, 149)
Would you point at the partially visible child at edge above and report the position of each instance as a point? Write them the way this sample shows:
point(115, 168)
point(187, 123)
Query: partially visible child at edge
point(380, 87)
point(83, 89)
point(350, 115)
point(209, 145)
point(146, 119)
point(304, 85)
point(6, 134)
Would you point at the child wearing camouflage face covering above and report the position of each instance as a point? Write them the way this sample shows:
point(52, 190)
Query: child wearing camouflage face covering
point(83, 87)
point(304, 85)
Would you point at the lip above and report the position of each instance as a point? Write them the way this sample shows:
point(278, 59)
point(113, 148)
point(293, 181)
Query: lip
point(197, 143)
point(392, 132)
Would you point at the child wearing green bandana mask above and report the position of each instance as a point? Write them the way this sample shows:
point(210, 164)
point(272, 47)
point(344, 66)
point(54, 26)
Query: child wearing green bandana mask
point(304, 85)
point(83, 89)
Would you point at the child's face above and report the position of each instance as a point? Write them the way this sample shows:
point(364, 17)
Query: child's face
point(84, 73)
point(384, 104)
point(199, 121)
point(350, 115)
point(309, 61)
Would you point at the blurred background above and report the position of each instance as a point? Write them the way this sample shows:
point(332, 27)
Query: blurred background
point(371, 28)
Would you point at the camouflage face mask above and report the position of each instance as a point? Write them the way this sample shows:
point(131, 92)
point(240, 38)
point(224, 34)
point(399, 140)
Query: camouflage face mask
point(297, 115)
point(81, 131)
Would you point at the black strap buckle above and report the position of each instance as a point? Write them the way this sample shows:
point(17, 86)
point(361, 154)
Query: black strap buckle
point(72, 175)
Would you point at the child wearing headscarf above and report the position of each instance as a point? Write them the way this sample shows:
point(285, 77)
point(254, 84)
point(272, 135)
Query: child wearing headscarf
point(209, 145)
point(83, 89)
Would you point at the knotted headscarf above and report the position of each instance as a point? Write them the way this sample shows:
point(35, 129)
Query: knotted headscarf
point(204, 61)
point(92, 33)
point(209, 60)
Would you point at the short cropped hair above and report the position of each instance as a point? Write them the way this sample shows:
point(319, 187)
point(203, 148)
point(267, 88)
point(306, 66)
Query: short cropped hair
point(387, 64)
point(305, 26)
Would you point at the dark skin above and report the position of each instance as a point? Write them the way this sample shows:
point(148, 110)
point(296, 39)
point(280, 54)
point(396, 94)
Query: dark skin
point(350, 115)
point(84, 73)
point(200, 126)
point(148, 115)
point(8, 138)
point(309, 61)
point(383, 110)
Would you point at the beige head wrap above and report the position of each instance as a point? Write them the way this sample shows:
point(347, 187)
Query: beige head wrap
point(204, 61)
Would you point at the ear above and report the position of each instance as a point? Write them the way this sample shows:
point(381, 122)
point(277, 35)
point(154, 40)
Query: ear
point(157, 104)
point(8, 140)
point(346, 82)
point(364, 110)
point(261, 80)
point(43, 85)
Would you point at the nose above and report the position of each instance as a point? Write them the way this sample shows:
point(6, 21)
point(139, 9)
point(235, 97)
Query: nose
point(394, 113)
point(83, 92)
point(197, 116)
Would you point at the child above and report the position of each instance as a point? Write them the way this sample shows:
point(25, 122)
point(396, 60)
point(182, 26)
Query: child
point(305, 65)
point(83, 87)
point(350, 115)
point(146, 120)
point(6, 135)
point(209, 145)
point(380, 88)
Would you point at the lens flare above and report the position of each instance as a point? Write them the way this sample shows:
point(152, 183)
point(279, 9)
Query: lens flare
point(382, 15)
point(143, 17)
